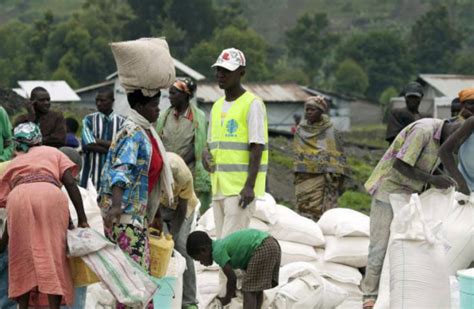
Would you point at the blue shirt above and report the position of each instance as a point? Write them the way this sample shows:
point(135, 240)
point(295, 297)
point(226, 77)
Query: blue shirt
point(127, 165)
point(466, 161)
point(97, 126)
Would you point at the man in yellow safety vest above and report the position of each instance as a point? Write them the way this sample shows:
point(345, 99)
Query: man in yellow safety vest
point(237, 155)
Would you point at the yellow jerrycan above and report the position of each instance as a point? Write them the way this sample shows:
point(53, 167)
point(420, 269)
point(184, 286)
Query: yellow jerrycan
point(81, 274)
point(161, 249)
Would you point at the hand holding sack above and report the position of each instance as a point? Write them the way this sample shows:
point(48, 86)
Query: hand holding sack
point(144, 64)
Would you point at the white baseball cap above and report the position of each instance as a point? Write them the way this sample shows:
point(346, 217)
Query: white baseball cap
point(230, 59)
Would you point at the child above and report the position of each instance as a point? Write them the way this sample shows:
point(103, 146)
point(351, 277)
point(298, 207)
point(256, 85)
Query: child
point(254, 251)
point(71, 127)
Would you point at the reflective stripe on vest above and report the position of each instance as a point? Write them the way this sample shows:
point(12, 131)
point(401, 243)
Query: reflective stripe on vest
point(230, 149)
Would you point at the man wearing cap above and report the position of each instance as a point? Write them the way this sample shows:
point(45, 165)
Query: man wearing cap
point(401, 117)
point(238, 146)
point(319, 162)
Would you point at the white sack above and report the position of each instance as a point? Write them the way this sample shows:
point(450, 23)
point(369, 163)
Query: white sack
point(266, 209)
point(176, 269)
point(418, 266)
point(341, 222)
point(293, 252)
point(91, 208)
point(454, 287)
point(351, 251)
point(295, 228)
point(208, 287)
point(307, 289)
point(206, 223)
point(258, 225)
point(459, 234)
point(99, 297)
point(418, 275)
point(339, 272)
point(144, 64)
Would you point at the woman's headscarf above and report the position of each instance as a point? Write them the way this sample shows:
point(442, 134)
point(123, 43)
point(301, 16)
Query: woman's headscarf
point(27, 135)
point(466, 95)
point(185, 85)
point(318, 102)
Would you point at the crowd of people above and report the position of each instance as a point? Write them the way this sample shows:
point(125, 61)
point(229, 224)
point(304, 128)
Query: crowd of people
point(154, 169)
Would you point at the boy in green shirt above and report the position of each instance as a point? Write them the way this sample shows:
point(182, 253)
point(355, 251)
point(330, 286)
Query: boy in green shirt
point(254, 251)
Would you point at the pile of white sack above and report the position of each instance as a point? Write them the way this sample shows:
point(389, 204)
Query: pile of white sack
point(320, 261)
point(432, 237)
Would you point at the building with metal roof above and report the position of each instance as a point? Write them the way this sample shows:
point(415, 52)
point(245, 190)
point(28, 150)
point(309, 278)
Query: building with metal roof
point(59, 90)
point(439, 90)
point(282, 101)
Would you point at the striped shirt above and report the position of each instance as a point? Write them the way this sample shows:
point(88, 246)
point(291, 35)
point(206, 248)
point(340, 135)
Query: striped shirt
point(97, 126)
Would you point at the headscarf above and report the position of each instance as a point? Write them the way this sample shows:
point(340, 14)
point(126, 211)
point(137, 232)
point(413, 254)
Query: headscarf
point(27, 135)
point(318, 102)
point(185, 85)
point(466, 94)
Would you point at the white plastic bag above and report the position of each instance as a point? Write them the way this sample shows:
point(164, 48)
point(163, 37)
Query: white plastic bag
point(83, 241)
point(144, 64)
point(266, 209)
point(293, 252)
point(341, 222)
point(290, 226)
point(128, 282)
point(258, 225)
point(351, 251)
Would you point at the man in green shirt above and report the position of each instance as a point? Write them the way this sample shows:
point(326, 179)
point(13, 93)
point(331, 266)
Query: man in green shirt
point(6, 145)
point(254, 251)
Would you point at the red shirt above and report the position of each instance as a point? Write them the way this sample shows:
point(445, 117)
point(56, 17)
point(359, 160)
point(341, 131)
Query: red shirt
point(156, 164)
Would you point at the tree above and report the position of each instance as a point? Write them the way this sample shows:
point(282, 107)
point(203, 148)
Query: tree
point(202, 56)
point(382, 55)
point(463, 63)
point(351, 78)
point(384, 100)
point(311, 41)
point(434, 40)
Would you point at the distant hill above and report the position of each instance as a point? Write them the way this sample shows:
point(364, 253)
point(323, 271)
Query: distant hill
point(28, 10)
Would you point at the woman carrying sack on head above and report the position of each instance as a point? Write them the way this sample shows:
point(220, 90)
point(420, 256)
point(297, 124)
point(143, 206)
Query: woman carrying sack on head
point(38, 219)
point(135, 172)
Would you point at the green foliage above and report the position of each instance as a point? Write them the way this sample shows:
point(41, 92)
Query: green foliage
point(384, 99)
point(434, 40)
point(463, 63)
point(310, 40)
point(355, 200)
point(281, 158)
point(351, 78)
point(382, 54)
point(370, 136)
point(202, 56)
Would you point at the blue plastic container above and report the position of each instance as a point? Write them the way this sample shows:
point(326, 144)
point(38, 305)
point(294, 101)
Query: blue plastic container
point(164, 296)
point(466, 288)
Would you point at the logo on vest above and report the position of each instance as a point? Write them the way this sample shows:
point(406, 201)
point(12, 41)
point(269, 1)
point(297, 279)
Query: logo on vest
point(231, 128)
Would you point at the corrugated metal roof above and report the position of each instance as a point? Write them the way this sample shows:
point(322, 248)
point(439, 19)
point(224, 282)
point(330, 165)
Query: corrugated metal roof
point(178, 65)
point(448, 85)
point(95, 86)
point(59, 90)
point(210, 92)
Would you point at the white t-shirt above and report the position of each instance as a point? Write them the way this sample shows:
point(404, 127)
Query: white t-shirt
point(255, 121)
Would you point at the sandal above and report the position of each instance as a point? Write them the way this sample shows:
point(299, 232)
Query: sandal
point(368, 304)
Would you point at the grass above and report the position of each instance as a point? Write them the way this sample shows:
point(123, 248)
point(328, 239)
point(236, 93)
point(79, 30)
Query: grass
point(370, 136)
point(361, 170)
point(355, 200)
